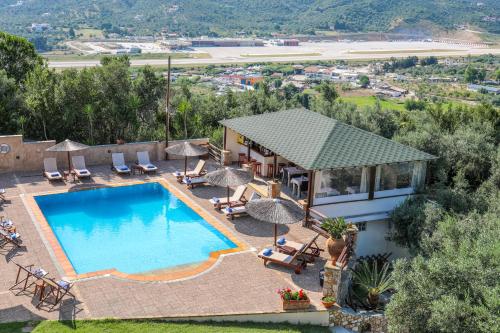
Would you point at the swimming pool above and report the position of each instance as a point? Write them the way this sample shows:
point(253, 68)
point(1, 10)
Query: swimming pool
point(134, 229)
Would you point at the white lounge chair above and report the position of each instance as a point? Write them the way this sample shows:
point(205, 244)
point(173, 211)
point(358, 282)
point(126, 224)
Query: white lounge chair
point(236, 199)
point(192, 182)
point(197, 172)
point(79, 167)
point(119, 165)
point(144, 163)
point(231, 212)
point(50, 169)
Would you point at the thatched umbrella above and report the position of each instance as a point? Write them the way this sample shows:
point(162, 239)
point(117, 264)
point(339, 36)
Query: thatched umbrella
point(186, 149)
point(277, 211)
point(228, 177)
point(68, 146)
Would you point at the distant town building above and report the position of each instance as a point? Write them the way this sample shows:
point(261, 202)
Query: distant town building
point(226, 42)
point(39, 27)
point(479, 87)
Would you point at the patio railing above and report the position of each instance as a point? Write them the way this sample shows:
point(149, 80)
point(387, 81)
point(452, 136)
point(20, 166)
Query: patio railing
point(215, 153)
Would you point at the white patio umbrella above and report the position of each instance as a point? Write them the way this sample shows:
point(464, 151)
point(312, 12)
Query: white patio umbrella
point(186, 149)
point(228, 177)
point(68, 146)
point(277, 211)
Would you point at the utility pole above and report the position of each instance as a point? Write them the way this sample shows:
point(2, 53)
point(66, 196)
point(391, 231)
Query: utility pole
point(167, 110)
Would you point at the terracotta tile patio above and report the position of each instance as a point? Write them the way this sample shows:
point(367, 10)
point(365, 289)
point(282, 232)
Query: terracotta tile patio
point(238, 283)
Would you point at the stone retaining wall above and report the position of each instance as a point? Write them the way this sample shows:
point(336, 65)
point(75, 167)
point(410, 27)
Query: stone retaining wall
point(362, 321)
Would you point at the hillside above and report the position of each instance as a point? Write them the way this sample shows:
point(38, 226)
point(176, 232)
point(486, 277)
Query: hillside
point(226, 17)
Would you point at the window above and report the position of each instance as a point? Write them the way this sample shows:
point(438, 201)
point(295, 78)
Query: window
point(395, 176)
point(342, 182)
point(361, 226)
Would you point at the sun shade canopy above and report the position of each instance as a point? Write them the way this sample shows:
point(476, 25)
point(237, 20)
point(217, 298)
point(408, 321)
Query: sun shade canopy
point(229, 177)
point(316, 142)
point(68, 145)
point(186, 149)
point(277, 211)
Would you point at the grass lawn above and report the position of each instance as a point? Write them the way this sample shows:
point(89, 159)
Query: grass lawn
point(89, 33)
point(146, 56)
point(362, 101)
point(401, 51)
point(132, 326)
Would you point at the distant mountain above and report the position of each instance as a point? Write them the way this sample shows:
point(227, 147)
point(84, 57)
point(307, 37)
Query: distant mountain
point(227, 17)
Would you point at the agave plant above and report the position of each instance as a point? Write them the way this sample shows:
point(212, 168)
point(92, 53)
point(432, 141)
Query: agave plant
point(372, 280)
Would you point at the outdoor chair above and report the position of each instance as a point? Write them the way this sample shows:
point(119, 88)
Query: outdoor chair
point(144, 163)
point(296, 261)
point(193, 182)
point(79, 167)
point(7, 237)
point(197, 172)
point(238, 210)
point(237, 199)
point(50, 169)
point(119, 165)
point(54, 291)
point(310, 249)
point(30, 274)
point(7, 225)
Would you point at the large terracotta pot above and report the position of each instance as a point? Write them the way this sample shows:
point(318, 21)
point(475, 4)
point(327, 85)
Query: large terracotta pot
point(335, 247)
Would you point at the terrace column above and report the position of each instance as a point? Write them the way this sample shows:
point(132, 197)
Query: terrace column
point(372, 171)
point(310, 192)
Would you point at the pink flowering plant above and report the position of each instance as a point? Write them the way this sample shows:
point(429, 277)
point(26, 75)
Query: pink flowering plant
point(288, 294)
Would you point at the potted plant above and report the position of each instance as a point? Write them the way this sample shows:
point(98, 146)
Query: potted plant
point(336, 228)
point(328, 301)
point(294, 300)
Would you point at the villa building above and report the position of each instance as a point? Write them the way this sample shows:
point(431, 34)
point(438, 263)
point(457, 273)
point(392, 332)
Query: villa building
point(343, 170)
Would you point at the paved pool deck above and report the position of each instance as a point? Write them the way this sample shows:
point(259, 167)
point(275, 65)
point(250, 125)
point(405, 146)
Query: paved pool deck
point(237, 283)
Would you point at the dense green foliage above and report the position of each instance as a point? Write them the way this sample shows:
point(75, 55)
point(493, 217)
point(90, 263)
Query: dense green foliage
point(225, 17)
point(151, 326)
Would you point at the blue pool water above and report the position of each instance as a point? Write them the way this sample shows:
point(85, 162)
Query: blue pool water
point(135, 229)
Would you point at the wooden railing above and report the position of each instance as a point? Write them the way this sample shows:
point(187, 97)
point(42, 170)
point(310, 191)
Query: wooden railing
point(215, 153)
point(347, 251)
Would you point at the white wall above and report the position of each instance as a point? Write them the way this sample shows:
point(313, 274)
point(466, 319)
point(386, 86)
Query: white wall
point(360, 207)
point(372, 241)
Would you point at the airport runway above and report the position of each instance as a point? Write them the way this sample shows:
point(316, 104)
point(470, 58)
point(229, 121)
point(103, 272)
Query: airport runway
point(309, 52)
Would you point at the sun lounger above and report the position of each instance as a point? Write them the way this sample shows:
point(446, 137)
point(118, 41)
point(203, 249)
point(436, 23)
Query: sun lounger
point(31, 273)
point(50, 169)
point(54, 291)
point(144, 163)
point(7, 237)
point(296, 261)
point(197, 172)
point(119, 165)
point(310, 249)
point(79, 167)
point(236, 199)
point(192, 182)
point(238, 210)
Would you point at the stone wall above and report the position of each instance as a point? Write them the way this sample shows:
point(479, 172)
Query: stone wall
point(361, 321)
point(28, 156)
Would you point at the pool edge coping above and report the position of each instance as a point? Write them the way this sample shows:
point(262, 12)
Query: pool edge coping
point(64, 263)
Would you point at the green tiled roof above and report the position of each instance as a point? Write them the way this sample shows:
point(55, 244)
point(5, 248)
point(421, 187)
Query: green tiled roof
point(316, 142)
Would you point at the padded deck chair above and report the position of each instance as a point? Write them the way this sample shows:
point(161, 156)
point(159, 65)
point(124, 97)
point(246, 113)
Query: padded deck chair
point(119, 165)
point(54, 291)
point(7, 225)
point(237, 199)
point(79, 167)
point(50, 169)
point(144, 163)
point(9, 238)
point(238, 210)
point(310, 248)
point(197, 172)
point(193, 182)
point(296, 261)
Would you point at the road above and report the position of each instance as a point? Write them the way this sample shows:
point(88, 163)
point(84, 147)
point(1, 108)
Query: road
point(309, 52)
